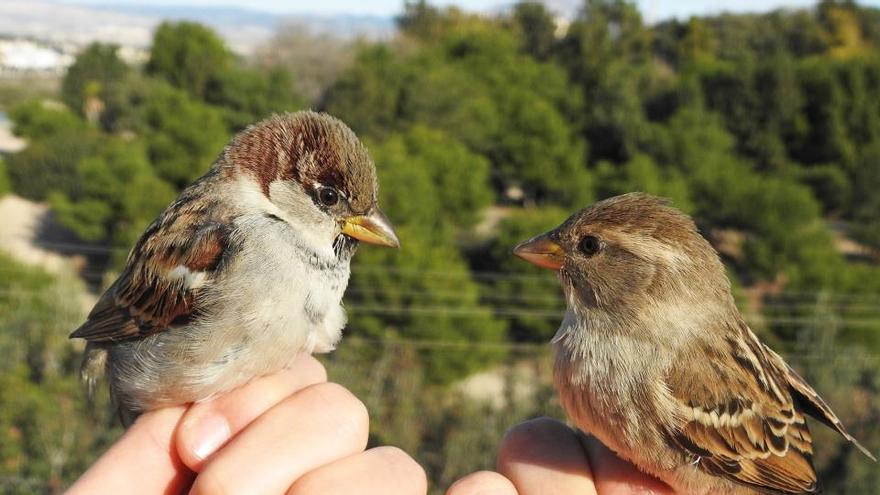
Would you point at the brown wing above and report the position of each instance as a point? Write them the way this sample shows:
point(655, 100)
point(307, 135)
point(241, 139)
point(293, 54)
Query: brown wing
point(741, 422)
point(811, 403)
point(171, 263)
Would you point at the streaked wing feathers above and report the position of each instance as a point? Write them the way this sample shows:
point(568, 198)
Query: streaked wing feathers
point(161, 280)
point(746, 430)
point(812, 404)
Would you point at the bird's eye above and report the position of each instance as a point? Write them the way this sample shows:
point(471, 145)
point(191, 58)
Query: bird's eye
point(590, 245)
point(328, 196)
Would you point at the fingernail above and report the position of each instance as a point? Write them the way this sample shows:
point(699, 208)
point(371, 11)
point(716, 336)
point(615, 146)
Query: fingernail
point(210, 433)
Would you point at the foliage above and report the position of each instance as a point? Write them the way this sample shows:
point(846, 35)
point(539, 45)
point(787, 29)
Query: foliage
point(49, 165)
point(94, 77)
point(531, 294)
point(246, 96)
point(119, 193)
point(386, 286)
point(423, 293)
point(189, 56)
point(5, 185)
point(437, 169)
point(48, 431)
point(194, 59)
point(535, 26)
point(36, 119)
point(474, 84)
point(182, 136)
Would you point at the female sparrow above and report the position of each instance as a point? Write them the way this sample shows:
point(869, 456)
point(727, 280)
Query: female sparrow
point(655, 360)
point(243, 271)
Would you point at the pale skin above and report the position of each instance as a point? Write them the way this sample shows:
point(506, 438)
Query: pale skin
point(296, 433)
point(292, 432)
point(545, 457)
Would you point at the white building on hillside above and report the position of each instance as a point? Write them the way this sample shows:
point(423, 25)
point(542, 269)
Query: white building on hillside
point(19, 55)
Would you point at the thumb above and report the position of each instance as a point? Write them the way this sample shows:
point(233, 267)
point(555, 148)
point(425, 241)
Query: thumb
point(142, 461)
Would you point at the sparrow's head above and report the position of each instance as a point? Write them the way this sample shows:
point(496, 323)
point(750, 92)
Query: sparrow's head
point(314, 169)
point(626, 251)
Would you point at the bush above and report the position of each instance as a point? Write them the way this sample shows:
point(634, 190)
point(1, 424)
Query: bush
point(531, 295)
point(5, 185)
point(49, 434)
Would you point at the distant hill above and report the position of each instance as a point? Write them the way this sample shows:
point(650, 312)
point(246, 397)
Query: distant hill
point(207, 15)
point(132, 24)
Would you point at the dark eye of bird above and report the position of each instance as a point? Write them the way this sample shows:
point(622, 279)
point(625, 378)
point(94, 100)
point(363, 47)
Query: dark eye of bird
point(328, 196)
point(590, 245)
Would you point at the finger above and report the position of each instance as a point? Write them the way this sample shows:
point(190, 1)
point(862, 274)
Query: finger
point(482, 483)
point(144, 453)
point(313, 427)
point(379, 471)
point(544, 453)
point(207, 426)
point(614, 476)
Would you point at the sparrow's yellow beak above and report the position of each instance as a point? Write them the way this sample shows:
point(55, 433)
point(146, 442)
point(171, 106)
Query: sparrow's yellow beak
point(541, 251)
point(373, 228)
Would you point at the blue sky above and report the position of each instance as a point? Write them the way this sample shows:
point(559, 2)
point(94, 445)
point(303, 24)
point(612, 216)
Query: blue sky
point(652, 9)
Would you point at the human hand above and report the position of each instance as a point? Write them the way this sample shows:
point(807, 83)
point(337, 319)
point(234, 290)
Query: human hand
point(292, 432)
point(543, 456)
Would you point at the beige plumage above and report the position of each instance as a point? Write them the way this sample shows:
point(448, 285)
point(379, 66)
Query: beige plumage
point(655, 360)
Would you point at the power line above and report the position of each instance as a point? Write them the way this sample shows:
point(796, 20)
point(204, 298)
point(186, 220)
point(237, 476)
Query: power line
point(473, 274)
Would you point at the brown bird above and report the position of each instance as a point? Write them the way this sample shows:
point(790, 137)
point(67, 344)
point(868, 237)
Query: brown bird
point(654, 359)
point(243, 271)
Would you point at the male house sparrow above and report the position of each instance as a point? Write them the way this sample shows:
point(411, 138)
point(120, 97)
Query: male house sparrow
point(243, 271)
point(655, 360)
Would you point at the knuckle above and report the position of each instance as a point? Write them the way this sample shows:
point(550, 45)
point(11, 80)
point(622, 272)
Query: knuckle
point(527, 431)
point(343, 409)
point(210, 482)
point(521, 437)
point(304, 486)
point(409, 472)
point(482, 482)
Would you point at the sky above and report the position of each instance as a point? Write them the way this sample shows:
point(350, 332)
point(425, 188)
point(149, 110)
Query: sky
point(652, 10)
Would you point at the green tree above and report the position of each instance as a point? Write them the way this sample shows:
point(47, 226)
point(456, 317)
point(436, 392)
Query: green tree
point(606, 52)
point(441, 172)
point(182, 136)
point(424, 293)
point(642, 173)
point(366, 95)
point(535, 26)
point(94, 79)
point(530, 298)
point(866, 197)
point(421, 20)
point(49, 433)
point(118, 193)
point(5, 185)
point(246, 96)
point(189, 56)
point(49, 165)
point(475, 85)
point(38, 120)
point(432, 186)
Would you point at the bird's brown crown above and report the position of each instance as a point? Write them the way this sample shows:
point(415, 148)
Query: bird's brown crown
point(639, 214)
point(306, 147)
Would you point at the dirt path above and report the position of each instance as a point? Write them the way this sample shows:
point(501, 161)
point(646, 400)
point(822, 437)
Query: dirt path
point(22, 224)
